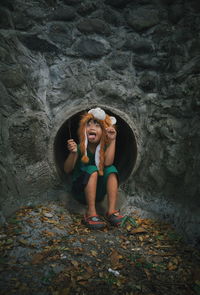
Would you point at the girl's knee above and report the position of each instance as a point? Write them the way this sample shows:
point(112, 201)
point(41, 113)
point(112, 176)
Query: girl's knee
point(112, 180)
point(94, 174)
point(112, 175)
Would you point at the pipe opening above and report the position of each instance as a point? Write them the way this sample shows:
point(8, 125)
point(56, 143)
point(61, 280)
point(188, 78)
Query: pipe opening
point(126, 145)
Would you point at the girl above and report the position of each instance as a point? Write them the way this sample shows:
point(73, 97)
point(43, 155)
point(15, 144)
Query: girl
point(91, 164)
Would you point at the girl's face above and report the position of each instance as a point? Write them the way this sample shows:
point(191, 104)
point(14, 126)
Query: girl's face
point(93, 131)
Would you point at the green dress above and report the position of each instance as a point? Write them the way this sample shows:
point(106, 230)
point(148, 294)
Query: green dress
point(81, 175)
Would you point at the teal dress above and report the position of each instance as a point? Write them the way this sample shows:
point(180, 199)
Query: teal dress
point(81, 175)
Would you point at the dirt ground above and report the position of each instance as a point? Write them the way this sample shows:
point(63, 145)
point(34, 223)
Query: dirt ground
point(45, 250)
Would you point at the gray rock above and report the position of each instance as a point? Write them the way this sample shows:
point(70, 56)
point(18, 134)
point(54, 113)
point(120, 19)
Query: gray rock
point(176, 163)
point(141, 46)
point(63, 13)
point(22, 21)
point(113, 17)
point(11, 76)
point(148, 62)
point(89, 26)
point(175, 12)
point(193, 66)
point(37, 44)
point(118, 3)
point(194, 48)
point(5, 19)
point(7, 4)
point(119, 61)
point(72, 2)
point(143, 18)
point(148, 81)
point(28, 139)
point(91, 48)
point(87, 7)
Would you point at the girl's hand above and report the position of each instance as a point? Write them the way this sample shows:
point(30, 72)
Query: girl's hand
point(111, 133)
point(72, 146)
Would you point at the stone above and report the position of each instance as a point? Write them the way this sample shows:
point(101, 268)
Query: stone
point(194, 48)
point(51, 2)
point(143, 18)
point(141, 46)
point(90, 26)
point(39, 13)
point(63, 13)
point(193, 66)
point(8, 4)
point(22, 22)
point(113, 17)
point(111, 90)
point(5, 19)
point(175, 13)
point(37, 44)
point(72, 2)
point(11, 76)
point(5, 55)
point(86, 8)
point(91, 48)
point(117, 3)
point(118, 61)
point(28, 139)
point(102, 73)
point(147, 62)
point(148, 81)
point(176, 163)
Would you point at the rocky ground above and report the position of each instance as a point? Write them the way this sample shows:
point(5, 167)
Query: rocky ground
point(46, 250)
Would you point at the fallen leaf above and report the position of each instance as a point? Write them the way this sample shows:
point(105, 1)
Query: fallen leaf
point(129, 227)
point(23, 242)
point(114, 258)
point(77, 250)
point(172, 266)
point(101, 274)
point(30, 221)
point(74, 263)
point(93, 253)
point(37, 258)
point(147, 274)
point(48, 233)
point(64, 291)
point(84, 277)
point(157, 259)
point(49, 215)
point(88, 269)
point(138, 230)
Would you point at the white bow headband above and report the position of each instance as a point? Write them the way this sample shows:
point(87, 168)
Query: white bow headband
point(99, 114)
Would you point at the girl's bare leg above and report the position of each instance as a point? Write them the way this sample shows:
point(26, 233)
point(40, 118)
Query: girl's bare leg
point(112, 190)
point(90, 193)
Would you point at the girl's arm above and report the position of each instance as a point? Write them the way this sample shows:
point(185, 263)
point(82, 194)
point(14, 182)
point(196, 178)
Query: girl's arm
point(72, 158)
point(110, 151)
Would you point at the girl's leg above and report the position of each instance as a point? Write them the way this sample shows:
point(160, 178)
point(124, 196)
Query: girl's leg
point(112, 190)
point(90, 193)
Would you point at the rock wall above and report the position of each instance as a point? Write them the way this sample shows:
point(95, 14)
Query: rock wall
point(140, 57)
